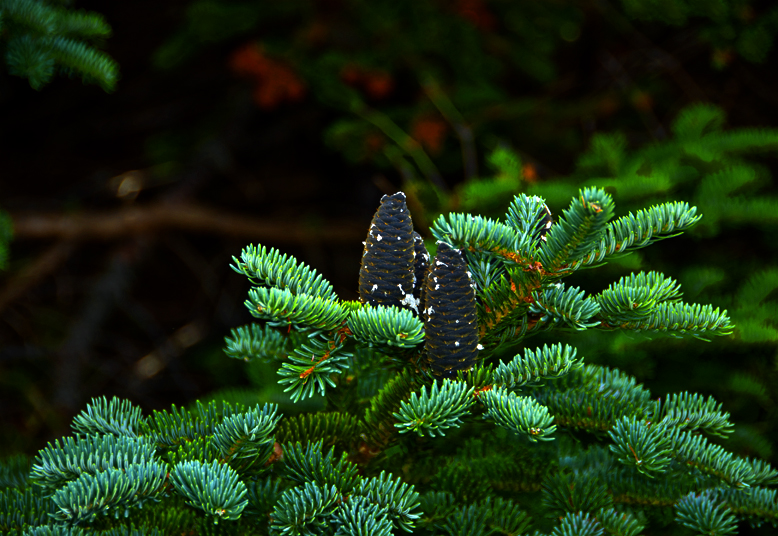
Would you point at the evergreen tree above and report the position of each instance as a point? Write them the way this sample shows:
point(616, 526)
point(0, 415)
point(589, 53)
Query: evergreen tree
point(541, 441)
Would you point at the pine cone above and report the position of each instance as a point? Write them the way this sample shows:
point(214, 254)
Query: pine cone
point(387, 272)
point(450, 320)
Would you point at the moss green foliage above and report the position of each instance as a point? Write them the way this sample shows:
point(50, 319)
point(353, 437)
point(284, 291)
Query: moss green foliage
point(415, 85)
point(724, 25)
point(6, 233)
point(540, 442)
point(41, 38)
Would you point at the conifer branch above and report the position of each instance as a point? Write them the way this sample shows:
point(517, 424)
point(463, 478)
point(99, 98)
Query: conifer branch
point(478, 234)
point(579, 228)
point(521, 414)
point(255, 341)
point(681, 318)
point(215, 489)
point(284, 308)
point(691, 412)
point(537, 366)
point(311, 366)
point(700, 513)
point(565, 306)
point(386, 326)
point(89, 496)
point(270, 268)
point(379, 420)
point(399, 500)
point(433, 413)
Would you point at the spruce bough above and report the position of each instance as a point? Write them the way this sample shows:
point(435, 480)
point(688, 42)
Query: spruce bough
point(537, 444)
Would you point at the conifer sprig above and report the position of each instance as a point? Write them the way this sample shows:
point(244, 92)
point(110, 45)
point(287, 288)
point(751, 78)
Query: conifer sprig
point(213, 488)
point(477, 234)
point(435, 412)
point(399, 500)
point(635, 231)
point(520, 414)
point(115, 416)
point(579, 228)
point(283, 308)
point(536, 366)
point(569, 307)
point(89, 496)
point(260, 342)
point(269, 267)
point(42, 38)
point(691, 411)
point(386, 326)
point(60, 463)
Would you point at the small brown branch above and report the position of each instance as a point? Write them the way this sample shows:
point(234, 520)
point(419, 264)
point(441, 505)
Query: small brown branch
point(138, 220)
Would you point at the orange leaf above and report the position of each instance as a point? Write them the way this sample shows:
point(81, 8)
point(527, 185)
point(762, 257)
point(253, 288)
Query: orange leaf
point(378, 84)
point(275, 81)
point(477, 13)
point(430, 133)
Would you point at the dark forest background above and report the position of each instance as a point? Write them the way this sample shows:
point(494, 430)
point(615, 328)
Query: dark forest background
point(229, 125)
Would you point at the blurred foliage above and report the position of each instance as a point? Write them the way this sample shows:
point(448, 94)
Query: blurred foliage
point(6, 232)
point(415, 81)
point(41, 38)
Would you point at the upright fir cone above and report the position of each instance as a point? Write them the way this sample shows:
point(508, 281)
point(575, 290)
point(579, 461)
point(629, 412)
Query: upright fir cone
point(449, 315)
point(386, 274)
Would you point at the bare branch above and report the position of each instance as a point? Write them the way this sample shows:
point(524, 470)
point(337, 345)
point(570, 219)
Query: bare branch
point(137, 220)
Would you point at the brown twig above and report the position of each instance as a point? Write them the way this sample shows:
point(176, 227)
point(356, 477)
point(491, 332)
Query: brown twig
point(139, 220)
